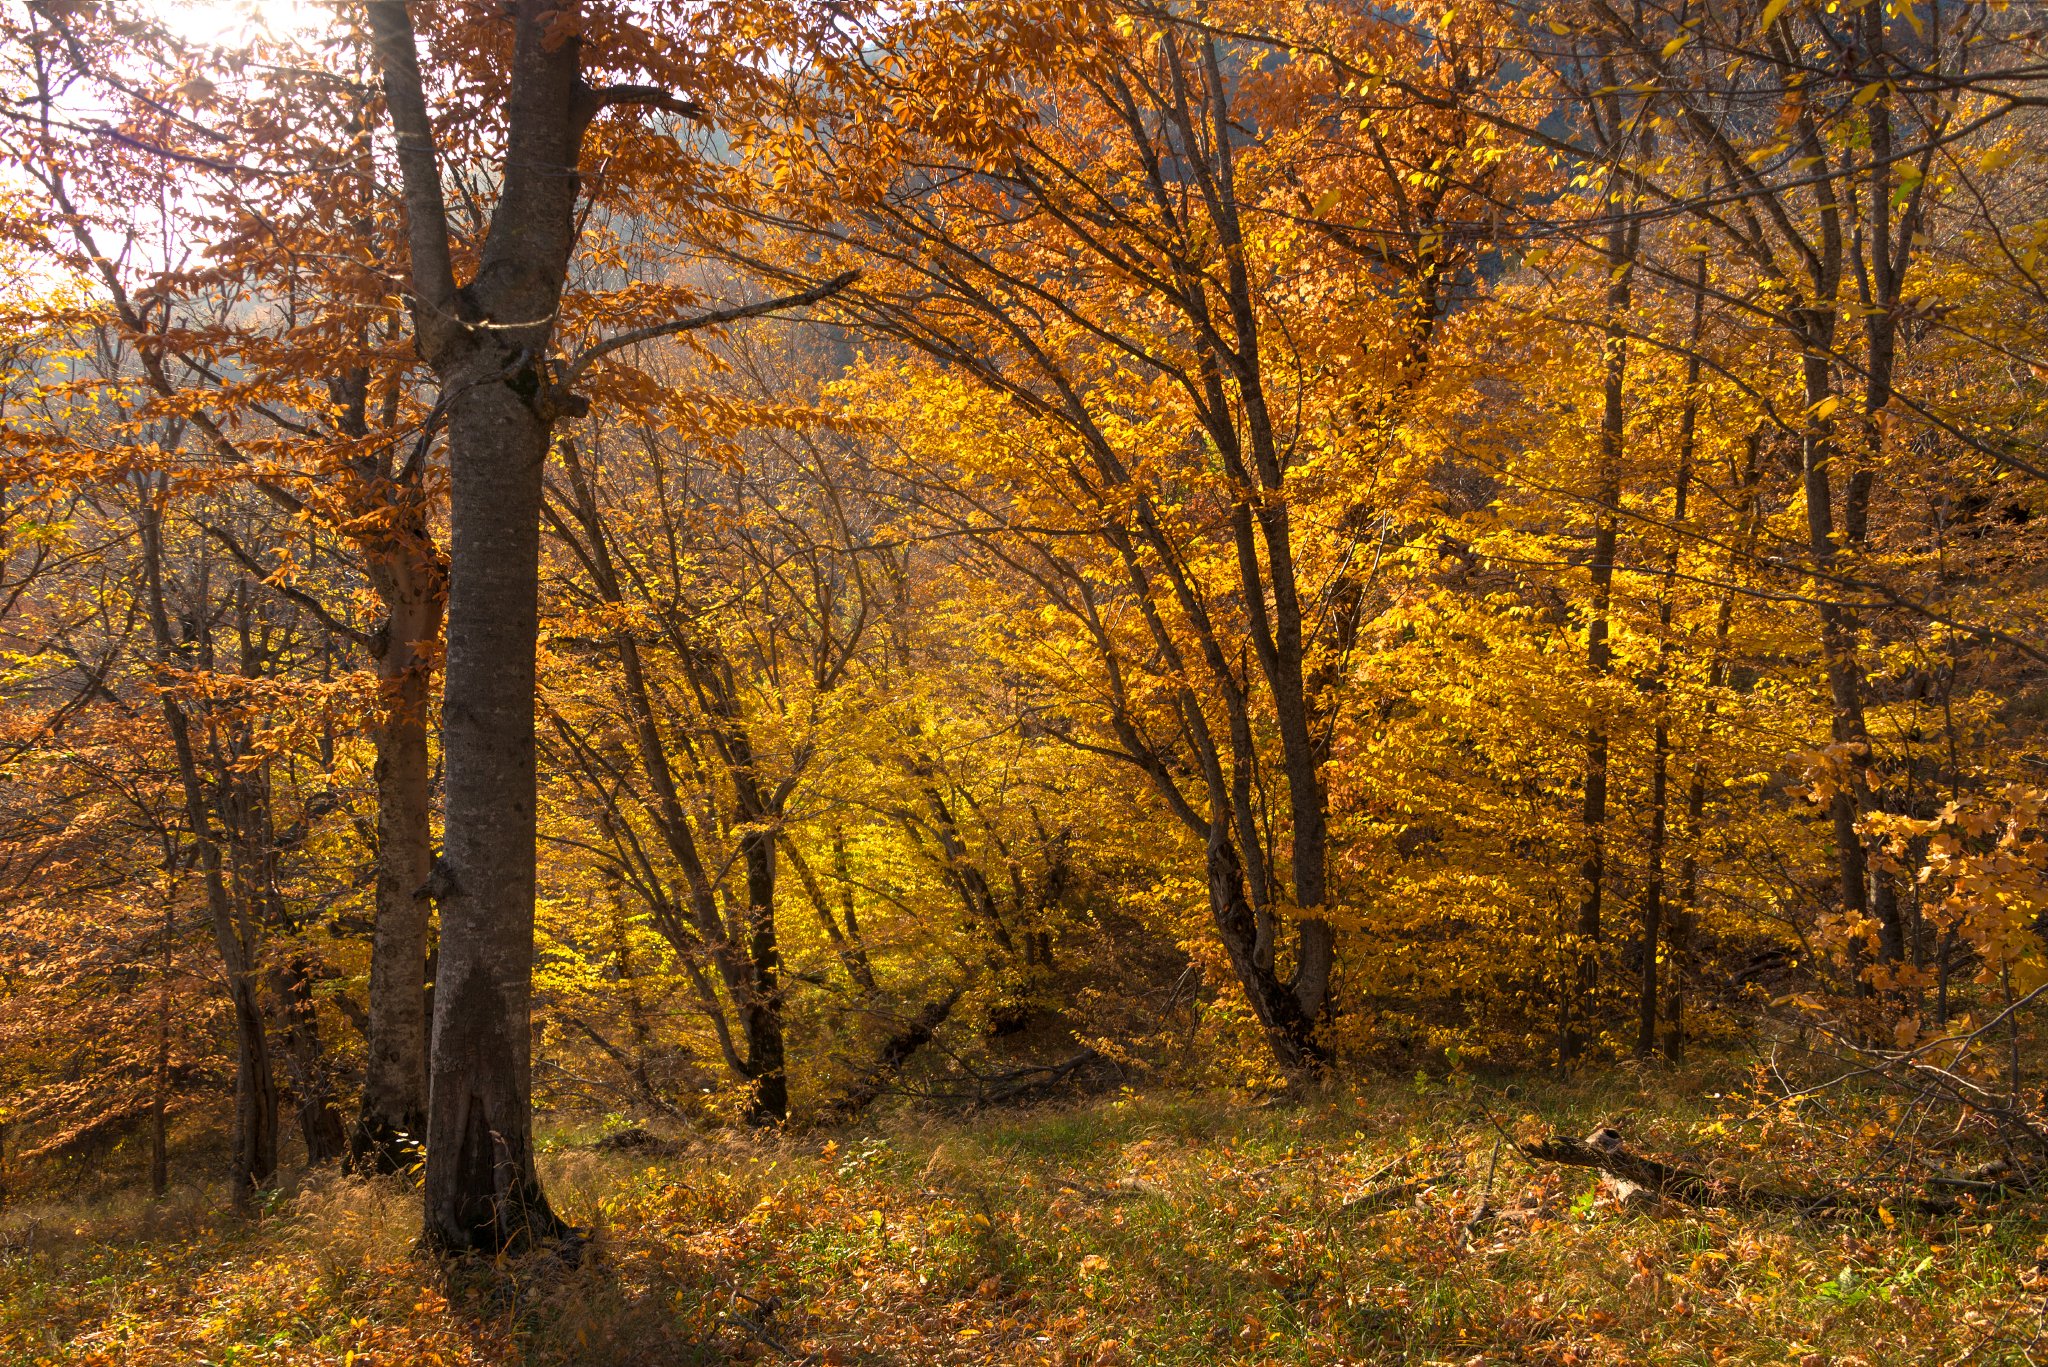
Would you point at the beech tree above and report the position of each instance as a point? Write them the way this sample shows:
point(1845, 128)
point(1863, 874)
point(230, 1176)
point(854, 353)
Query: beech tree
point(1426, 530)
point(489, 342)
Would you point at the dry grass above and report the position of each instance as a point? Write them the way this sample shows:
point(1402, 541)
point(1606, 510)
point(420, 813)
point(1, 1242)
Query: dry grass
point(1161, 1229)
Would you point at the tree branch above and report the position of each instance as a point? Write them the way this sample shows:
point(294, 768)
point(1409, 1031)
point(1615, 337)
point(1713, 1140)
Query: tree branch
point(302, 598)
point(646, 97)
point(426, 209)
point(598, 350)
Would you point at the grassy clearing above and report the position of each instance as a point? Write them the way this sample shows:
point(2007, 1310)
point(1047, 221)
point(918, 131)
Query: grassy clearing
point(1137, 1229)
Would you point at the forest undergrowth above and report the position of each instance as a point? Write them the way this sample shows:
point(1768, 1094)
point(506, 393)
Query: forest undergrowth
point(1133, 1228)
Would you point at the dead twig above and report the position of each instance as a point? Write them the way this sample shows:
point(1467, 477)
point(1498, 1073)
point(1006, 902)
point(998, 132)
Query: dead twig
point(1387, 1197)
point(762, 1336)
point(1484, 1211)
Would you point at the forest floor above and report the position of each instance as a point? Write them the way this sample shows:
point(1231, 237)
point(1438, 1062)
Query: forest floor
point(1133, 1228)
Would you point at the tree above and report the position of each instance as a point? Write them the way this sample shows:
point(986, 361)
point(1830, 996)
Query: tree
point(488, 340)
point(1086, 218)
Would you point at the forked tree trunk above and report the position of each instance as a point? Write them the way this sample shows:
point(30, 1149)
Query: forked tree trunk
point(487, 342)
point(482, 1191)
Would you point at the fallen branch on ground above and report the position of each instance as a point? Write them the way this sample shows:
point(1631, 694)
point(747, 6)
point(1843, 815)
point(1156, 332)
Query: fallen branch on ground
point(889, 1060)
point(993, 1089)
point(1018, 1081)
point(1697, 1189)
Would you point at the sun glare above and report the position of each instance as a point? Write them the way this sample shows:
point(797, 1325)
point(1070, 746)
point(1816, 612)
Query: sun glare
point(231, 22)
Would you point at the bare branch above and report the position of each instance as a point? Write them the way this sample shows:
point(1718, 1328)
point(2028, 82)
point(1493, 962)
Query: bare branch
point(598, 350)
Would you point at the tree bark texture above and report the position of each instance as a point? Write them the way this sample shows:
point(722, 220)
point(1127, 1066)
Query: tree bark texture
point(411, 583)
point(320, 1124)
point(487, 343)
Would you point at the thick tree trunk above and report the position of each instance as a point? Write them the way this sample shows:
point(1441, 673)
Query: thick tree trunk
point(482, 1189)
point(487, 342)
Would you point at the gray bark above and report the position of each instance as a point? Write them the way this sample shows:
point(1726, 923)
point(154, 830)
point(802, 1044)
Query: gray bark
point(486, 343)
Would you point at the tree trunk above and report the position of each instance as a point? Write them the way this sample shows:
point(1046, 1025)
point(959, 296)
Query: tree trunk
point(1653, 892)
point(254, 1160)
point(761, 1010)
point(392, 1118)
point(482, 1191)
point(320, 1122)
point(1289, 1030)
point(1593, 816)
point(159, 1153)
point(1280, 641)
point(254, 1147)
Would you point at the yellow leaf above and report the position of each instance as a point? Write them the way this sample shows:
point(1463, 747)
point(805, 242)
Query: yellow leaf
point(1886, 1216)
point(1825, 407)
point(1868, 93)
point(1559, 29)
point(1671, 48)
point(1771, 13)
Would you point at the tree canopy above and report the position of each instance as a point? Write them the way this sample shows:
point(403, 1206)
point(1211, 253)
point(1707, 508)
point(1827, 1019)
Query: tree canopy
point(725, 559)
